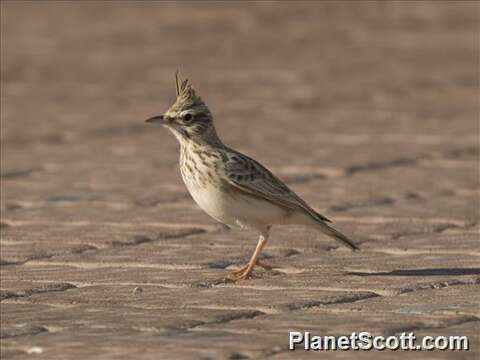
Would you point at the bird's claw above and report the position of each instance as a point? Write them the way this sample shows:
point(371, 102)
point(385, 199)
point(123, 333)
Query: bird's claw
point(240, 274)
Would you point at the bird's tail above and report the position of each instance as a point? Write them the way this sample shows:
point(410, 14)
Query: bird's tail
point(337, 235)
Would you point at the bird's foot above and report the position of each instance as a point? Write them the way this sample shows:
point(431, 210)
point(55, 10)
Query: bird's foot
point(240, 270)
point(243, 273)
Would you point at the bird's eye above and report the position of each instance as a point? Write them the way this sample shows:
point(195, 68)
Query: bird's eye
point(188, 117)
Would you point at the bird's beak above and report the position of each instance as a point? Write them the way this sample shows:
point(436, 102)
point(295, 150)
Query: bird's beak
point(160, 119)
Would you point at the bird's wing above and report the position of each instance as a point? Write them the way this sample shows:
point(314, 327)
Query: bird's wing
point(251, 177)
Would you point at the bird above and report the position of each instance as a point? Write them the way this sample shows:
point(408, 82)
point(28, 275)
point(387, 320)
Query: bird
point(231, 187)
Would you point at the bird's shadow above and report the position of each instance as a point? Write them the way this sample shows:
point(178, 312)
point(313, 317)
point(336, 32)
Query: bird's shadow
point(420, 272)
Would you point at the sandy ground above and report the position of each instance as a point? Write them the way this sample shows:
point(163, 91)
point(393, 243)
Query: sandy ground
point(368, 110)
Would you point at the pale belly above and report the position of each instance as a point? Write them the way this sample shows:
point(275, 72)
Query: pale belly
point(234, 209)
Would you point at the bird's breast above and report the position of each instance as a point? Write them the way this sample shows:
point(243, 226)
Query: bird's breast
point(221, 200)
point(210, 196)
point(199, 175)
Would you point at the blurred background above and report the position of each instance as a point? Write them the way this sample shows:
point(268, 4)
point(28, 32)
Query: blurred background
point(369, 110)
point(287, 82)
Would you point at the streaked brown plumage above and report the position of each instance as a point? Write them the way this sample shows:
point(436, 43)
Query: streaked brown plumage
point(231, 187)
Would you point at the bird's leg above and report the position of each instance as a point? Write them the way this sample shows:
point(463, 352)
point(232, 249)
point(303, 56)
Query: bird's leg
point(246, 270)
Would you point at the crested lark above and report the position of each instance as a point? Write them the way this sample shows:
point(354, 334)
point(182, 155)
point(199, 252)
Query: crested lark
point(229, 186)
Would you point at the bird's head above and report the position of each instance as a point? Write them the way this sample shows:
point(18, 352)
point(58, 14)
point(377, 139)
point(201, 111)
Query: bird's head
point(189, 118)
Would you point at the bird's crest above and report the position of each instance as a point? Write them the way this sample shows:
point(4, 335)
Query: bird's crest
point(186, 95)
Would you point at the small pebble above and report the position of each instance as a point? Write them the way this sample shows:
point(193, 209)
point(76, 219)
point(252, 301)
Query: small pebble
point(35, 350)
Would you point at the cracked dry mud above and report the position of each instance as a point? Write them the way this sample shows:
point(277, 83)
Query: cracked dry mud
point(369, 111)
